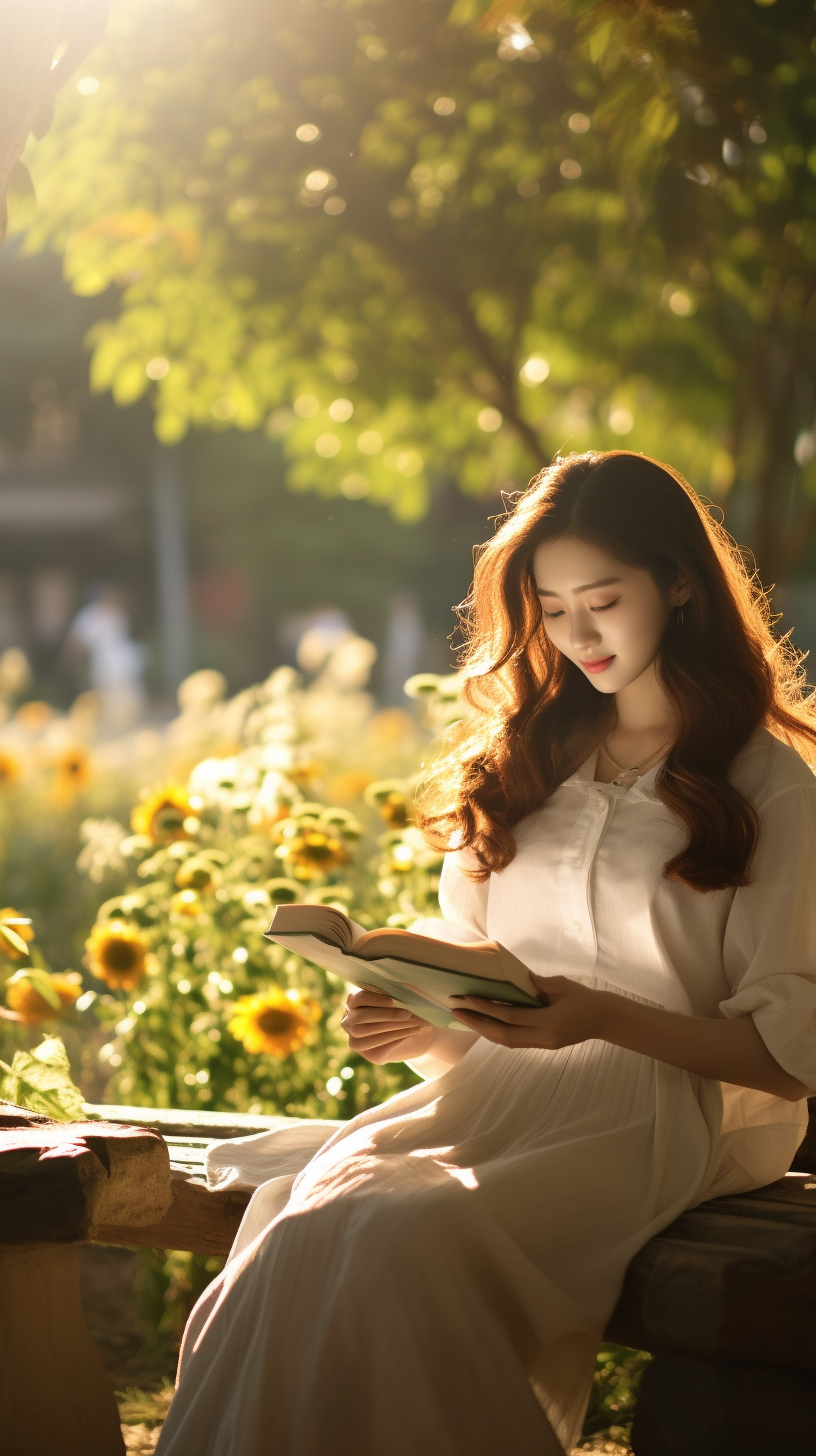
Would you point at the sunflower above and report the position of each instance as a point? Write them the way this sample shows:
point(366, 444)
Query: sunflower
point(117, 954)
point(349, 785)
point(305, 772)
point(72, 774)
point(9, 767)
point(30, 1007)
point(186, 902)
point(276, 1022)
point(198, 874)
point(391, 726)
point(162, 815)
point(33, 717)
point(390, 799)
point(312, 853)
point(14, 928)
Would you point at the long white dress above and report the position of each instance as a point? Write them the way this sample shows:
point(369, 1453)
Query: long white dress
point(438, 1276)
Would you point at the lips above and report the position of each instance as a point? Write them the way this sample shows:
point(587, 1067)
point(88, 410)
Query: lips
point(598, 664)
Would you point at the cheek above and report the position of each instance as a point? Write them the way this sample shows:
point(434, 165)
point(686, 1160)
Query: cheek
point(557, 632)
point(639, 634)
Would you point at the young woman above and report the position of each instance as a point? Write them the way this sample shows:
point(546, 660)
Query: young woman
point(629, 809)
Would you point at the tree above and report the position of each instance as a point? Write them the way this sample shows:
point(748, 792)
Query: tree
point(41, 44)
point(416, 239)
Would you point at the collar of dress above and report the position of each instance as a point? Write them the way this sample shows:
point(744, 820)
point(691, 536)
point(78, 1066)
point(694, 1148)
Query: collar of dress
point(642, 789)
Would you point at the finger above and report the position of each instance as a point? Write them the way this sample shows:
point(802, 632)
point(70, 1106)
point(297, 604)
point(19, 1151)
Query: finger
point(369, 998)
point(369, 1044)
point(375, 1032)
point(378, 1013)
point(495, 1031)
point(516, 1015)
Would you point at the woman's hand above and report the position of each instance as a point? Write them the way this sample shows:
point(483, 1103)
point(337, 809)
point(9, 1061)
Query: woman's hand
point(382, 1031)
point(575, 1013)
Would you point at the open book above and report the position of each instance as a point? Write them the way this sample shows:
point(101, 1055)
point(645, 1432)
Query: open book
point(420, 973)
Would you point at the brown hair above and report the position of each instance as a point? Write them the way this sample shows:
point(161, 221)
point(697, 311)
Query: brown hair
point(538, 718)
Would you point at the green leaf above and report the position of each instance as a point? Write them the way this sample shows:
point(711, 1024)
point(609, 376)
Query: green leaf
point(12, 938)
point(42, 984)
point(40, 1080)
point(599, 39)
point(21, 194)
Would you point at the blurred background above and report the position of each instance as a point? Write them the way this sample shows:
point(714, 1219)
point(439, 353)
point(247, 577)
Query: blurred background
point(292, 292)
point(198, 553)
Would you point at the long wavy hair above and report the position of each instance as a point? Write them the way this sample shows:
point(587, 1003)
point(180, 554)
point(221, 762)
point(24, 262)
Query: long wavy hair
point(537, 718)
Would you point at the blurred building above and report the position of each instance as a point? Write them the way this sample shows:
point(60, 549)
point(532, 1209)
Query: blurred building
point(213, 562)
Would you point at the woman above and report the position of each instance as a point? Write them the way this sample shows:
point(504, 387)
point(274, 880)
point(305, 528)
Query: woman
point(627, 809)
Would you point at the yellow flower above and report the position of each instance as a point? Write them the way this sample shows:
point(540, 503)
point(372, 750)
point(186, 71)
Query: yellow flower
point(198, 874)
point(117, 954)
point(162, 815)
point(9, 767)
point(349, 785)
point(34, 716)
point(390, 798)
point(390, 726)
point(305, 772)
point(31, 1008)
point(20, 928)
point(312, 853)
point(72, 774)
point(186, 902)
point(276, 1022)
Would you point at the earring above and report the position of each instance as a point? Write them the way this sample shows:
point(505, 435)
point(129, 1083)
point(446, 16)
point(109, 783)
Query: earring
point(679, 616)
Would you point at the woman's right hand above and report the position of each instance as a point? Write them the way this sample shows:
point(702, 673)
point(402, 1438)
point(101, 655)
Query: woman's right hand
point(381, 1031)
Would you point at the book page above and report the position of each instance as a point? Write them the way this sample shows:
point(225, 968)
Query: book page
point(320, 920)
point(368, 974)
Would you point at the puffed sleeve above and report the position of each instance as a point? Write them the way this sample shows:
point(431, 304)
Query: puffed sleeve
point(770, 941)
point(463, 903)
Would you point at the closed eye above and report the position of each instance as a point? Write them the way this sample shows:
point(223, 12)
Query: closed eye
point(550, 616)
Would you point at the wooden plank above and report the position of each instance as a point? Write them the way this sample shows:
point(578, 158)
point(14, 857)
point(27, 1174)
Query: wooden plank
point(184, 1123)
point(57, 1179)
point(734, 1279)
point(199, 1219)
point(805, 1158)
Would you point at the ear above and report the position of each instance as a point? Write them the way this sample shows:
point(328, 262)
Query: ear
point(679, 592)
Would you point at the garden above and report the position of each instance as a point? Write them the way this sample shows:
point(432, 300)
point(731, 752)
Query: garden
point(349, 271)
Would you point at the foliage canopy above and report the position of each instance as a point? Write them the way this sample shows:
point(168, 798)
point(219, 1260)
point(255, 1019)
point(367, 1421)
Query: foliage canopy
point(423, 239)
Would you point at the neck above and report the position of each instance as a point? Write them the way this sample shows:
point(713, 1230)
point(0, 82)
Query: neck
point(644, 707)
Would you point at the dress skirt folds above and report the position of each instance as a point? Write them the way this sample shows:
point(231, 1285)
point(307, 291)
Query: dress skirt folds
point(437, 1276)
point(440, 1277)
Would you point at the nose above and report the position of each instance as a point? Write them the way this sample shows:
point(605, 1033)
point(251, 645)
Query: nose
point(583, 631)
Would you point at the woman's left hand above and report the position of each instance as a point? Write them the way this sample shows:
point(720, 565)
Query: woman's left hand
point(575, 1013)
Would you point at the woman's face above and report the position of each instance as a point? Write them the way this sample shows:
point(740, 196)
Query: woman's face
point(607, 618)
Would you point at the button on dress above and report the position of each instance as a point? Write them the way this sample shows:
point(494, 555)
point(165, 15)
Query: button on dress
point(436, 1276)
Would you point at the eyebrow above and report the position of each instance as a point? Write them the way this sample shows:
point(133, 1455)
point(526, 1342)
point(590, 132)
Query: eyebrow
point(544, 591)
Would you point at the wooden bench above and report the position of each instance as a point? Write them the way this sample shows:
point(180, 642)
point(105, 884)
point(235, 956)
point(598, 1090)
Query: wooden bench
point(725, 1298)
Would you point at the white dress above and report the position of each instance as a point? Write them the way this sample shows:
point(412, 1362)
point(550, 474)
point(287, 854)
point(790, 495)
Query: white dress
point(439, 1274)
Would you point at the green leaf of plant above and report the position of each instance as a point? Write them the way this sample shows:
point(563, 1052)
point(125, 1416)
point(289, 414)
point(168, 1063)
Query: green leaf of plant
point(42, 984)
point(40, 1080)
point(13, 939)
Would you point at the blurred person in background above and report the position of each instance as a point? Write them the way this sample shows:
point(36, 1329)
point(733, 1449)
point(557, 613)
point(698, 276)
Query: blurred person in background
point(100, 649)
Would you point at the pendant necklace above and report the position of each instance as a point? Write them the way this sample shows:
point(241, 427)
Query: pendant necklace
point(626, 777)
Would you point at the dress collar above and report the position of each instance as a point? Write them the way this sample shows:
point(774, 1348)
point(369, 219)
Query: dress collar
point(642, 788)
